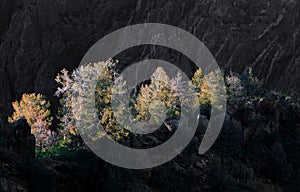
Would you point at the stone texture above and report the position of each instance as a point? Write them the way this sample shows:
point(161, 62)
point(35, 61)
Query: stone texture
point(21, 140)
point(39, 38)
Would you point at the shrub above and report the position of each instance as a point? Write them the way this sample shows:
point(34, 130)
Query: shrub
point(251, 84)
point(35, 108)
point(244, 85)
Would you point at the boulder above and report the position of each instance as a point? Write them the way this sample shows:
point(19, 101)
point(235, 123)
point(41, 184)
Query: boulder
point(21, 140)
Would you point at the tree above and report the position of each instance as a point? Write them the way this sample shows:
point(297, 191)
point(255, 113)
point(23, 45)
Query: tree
point(160, 89)
point(64, 91)
point(35, 108)
point(210, 89)
point(202, 88)
point(74, 90)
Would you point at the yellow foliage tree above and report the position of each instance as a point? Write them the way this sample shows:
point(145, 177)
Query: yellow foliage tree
point(159, 89)
point(208, 88)
point(35, 108)
point(104, 90)
point(202, 88)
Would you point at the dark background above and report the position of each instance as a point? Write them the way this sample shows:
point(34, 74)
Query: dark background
point(38, 37)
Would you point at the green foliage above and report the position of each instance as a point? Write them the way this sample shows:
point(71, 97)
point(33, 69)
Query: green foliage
point(59, 148)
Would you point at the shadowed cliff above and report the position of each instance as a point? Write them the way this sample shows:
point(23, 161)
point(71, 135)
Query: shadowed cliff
point(39, 37)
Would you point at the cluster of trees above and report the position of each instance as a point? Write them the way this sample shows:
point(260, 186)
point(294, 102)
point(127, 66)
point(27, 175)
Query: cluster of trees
point(35, 107)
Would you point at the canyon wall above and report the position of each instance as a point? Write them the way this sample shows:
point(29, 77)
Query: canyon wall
point(38, 37)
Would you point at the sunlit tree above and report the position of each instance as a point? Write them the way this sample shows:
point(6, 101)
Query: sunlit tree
point(73, 87)
point(35, 108)
point(159, 89)
point(210, 88)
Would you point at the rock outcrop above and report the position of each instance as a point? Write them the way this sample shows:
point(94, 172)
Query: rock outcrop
point(20, 139)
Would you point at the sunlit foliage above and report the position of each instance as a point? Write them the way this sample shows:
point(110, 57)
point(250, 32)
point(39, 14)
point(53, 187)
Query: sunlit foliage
point(75, 93)
point(209, 88)
point(67, 126)
point(80, 82)
point(35, 108)
point(159, 89)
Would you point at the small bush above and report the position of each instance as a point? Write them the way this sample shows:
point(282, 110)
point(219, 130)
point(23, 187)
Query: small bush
point(244, 85)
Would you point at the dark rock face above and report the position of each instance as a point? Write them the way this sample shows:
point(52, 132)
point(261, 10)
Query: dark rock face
point(21, 140)
point(39, 38)
point(18, 174)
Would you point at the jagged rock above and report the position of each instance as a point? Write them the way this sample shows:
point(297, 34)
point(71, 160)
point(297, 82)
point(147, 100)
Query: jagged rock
point(19, 174)
point(40, 38)
point(10, 167)
point(13, 185)
point(21, 140)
